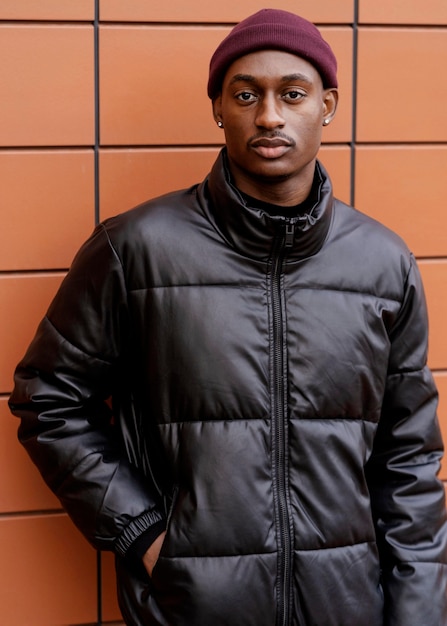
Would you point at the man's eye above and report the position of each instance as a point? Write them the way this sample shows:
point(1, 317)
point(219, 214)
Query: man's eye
point(245, 96)
point(294, 95)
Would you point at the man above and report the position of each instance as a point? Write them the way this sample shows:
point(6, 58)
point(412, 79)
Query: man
point(273, 451)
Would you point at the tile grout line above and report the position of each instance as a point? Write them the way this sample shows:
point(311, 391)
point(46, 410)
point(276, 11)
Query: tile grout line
point(96, 221)
point(97, 111)
point(355, 25)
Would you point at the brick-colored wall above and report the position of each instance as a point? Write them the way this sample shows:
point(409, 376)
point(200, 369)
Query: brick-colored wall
point(103, 104)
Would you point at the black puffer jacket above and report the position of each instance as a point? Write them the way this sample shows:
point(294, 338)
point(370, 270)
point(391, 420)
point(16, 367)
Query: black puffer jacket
point(271, 401)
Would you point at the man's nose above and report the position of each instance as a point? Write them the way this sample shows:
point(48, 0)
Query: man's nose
point(269, 113)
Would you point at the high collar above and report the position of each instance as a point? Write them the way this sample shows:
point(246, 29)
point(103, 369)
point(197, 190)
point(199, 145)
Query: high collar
point(252, 231)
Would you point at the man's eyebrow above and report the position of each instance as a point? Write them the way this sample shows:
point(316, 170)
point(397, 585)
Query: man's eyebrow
point(243, 78)
point(248, 78)
point(301, 78)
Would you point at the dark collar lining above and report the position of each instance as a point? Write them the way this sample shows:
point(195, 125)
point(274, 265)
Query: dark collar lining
point(286, 211)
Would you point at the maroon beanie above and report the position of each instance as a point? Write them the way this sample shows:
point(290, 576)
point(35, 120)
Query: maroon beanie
point(278, 30)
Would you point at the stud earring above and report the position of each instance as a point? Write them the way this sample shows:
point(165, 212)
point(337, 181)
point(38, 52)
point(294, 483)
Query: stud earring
point(220, 124)
point(326, 122)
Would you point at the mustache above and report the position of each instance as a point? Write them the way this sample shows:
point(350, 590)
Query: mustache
point(276, 134)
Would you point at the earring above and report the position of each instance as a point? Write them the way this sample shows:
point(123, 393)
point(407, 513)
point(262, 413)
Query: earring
point(326, 122)
point(220, 124)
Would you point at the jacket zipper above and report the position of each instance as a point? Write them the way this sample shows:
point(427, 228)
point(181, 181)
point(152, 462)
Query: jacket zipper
point(279, 431)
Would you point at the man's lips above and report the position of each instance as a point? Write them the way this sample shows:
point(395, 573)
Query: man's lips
point(265, 142)
point(270, 147)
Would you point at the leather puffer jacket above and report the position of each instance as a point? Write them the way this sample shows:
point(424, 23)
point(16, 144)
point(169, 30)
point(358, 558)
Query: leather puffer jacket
point(271, 404)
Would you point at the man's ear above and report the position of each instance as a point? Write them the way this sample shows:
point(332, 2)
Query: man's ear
point(217, 108)
point(330, 102)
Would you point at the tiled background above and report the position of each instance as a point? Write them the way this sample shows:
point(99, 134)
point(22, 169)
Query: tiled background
point(102, 105)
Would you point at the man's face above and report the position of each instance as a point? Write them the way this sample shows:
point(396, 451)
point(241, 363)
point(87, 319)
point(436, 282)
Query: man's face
point(272, 106)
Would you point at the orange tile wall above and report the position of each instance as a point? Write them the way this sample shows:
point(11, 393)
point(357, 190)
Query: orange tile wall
point(102, 105)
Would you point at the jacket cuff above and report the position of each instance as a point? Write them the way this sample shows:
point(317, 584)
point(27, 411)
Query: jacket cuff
point(144, 541)
point(138, 527)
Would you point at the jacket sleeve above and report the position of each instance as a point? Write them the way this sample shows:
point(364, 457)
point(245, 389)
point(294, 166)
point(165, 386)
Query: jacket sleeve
point(407, 497)
point(61, 391)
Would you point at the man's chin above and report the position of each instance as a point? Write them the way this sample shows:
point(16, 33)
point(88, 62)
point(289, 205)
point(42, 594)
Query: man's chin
point(264, 172)
point(272, 175)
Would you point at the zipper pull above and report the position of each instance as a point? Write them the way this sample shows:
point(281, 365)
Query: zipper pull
point(290, 234)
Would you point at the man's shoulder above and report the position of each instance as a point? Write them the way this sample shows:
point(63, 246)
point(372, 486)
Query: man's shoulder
point(154, 217)
point(152, 208)
point(366, 228)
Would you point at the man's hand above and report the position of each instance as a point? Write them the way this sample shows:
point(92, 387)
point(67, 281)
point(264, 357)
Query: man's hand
point(150, 557)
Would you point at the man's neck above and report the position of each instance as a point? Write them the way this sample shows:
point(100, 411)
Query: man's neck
point(286, 192)
point(273, 208)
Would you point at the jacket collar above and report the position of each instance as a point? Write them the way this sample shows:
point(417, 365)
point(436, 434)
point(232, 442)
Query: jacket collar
point(252, 231)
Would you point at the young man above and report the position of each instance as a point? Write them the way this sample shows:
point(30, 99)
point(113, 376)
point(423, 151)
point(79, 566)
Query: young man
point(273, 451)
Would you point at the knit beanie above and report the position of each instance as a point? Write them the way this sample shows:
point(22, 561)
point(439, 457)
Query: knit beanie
point(277, 30)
